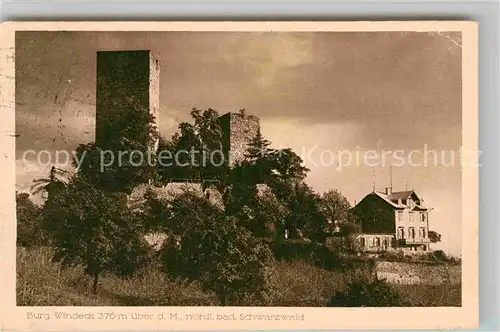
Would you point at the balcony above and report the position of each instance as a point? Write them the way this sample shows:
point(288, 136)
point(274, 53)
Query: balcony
point(414, 240)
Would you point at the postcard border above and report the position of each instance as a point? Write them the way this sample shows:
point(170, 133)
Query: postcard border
point(14, 318)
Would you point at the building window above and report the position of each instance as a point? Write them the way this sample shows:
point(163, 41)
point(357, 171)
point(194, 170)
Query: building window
point(401, 232)
point(423, 217)
point(422, 233)
point(377, 242)
point(411, 232)
point(362, 242)
point(411, 216)
point(404, 201)
point(400, 215)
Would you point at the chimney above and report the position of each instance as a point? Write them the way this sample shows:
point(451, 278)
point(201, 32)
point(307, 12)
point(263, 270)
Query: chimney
point(388, 190)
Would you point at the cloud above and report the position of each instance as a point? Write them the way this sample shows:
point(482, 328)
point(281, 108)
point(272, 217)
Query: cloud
point(268, 53)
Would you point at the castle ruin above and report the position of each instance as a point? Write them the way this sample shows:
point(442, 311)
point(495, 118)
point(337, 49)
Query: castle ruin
point(128, 91)
point(238, 129)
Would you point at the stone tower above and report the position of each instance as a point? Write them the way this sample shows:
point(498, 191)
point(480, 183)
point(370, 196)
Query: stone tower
point(237, 131)
point(127, 91)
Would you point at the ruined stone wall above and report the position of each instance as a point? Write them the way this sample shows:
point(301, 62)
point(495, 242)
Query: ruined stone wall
point(172, 190)
point(418, 273)
point(237, 130)
point(137, 200)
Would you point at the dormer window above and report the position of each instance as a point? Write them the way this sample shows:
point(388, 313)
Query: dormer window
point(404, 201)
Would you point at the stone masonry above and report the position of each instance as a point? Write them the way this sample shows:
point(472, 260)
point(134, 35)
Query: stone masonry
point(237, 131)
point(126, 81)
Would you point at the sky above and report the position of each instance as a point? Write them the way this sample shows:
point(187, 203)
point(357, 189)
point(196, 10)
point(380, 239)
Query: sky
point(319, 93)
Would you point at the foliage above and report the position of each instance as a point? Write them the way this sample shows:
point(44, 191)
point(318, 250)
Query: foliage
point(305, 217)
point(362, 292)
point(438, 255)
point(53, 184)
point(268, 215)
point(337, 210)
point(206, 245)
point(287, 166)
point(196, 149)
point(257, 209)
point(124, 154)
point(293, 250)
point(258, 148)
point(434, 236)
point(94, 229)
point(127, 120)
point(29, 229)
point(116, 169)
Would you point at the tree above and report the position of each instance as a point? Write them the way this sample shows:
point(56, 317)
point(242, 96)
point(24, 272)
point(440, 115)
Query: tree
point(348, 231)
point(204, 244)
point(434, 236)
point(258, 148)
point(93, 228)
point(286, 165)
point(53, 184)
point(197, 148)
point(336, 208)
point(303, 217)
point(258, 210)
point(305, 213)
point(29, 230)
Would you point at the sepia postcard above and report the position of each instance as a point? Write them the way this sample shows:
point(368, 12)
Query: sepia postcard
point(239, 175)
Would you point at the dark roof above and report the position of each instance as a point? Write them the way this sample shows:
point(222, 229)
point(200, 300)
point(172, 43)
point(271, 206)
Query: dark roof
point(388, 199)
point(393, 199)
point(401, 195)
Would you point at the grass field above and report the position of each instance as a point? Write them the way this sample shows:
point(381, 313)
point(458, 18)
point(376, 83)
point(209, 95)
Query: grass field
point(43, 283)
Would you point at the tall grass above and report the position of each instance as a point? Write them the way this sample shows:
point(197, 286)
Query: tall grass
point(294, 283)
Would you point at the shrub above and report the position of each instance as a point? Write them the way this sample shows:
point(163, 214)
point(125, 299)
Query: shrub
point(439, 255)
point(209, 247)
point(29, 230)
point(325, 258)
point(362, 292)
point(290, 250)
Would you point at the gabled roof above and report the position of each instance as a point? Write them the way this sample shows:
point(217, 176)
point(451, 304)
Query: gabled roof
point(394, 198)
point(388, 200)
point(401, 195)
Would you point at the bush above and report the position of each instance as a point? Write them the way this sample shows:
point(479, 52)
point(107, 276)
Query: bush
point(29, 230)
point(325, 258)
point(439, 255)
point(207, 246)
point(362, 292)
point(291, 250)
